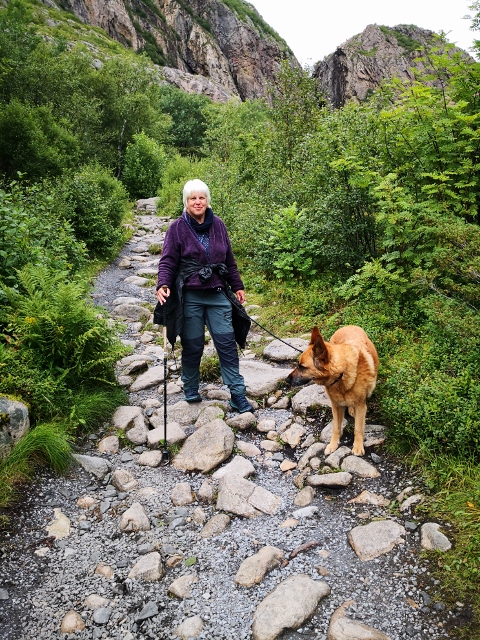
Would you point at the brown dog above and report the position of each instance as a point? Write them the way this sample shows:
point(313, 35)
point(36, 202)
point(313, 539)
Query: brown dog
point(347, 366)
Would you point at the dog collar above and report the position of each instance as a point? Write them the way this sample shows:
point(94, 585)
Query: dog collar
point(335, 381)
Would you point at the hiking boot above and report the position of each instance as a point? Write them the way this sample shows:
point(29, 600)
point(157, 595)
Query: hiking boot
point(241, 404)
point(192, 395)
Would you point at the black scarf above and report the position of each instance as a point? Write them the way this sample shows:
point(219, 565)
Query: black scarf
point(205, 225)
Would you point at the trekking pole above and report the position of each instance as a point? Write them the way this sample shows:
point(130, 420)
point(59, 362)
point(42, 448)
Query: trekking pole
point(165, 453)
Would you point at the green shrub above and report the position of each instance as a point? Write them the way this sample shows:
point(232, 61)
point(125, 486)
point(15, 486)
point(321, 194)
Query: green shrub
point(45, 444)
point(49, 316)
point(33, 231)
point(143, 166)
point(96, 205)
point(33, 141)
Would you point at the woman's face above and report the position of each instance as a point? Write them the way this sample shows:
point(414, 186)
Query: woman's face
point(197, 205)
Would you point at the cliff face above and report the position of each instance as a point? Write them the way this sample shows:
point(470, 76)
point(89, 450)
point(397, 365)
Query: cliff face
point(359, 65)
point(236, 55)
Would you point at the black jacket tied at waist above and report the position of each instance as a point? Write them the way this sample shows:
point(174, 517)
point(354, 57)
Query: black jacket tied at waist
point(170, 314)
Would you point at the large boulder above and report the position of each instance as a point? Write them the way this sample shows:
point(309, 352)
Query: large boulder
point(261, 378)
point(206, 448)
point(14, 423)
point(288, 606)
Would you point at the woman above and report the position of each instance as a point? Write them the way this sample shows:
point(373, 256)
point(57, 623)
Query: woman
point(198, 265)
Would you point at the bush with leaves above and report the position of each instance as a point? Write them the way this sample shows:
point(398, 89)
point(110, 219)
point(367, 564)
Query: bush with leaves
point(143, 166)
point(48, 315)
point(95, 205)
point(33, 231)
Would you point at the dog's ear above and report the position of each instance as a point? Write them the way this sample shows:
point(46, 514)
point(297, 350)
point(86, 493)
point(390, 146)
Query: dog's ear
point(320, 351)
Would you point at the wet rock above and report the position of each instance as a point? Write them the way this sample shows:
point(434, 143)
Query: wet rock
point(288, 606)
point(376, 538)
point(206, 448)
point(253, 569)
point(433, 539)
point(134, 519)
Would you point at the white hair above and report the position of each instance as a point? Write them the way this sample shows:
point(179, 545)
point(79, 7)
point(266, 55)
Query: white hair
point(195, 186)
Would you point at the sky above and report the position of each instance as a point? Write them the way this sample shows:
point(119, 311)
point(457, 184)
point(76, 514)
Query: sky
point(314, 28)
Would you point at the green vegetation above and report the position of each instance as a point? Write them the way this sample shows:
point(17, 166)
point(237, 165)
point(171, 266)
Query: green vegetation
point(363, 215)
point(409, 44)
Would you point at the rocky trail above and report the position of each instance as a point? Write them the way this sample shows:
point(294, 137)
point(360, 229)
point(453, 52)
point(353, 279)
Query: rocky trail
point(250, 532)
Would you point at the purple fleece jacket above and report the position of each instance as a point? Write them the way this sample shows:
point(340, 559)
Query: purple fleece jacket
point(181, 242)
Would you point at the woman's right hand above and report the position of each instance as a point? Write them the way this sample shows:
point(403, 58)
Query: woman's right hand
point(162, 294)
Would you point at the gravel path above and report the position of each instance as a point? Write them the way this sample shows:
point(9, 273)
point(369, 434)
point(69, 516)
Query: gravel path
point(43, 578)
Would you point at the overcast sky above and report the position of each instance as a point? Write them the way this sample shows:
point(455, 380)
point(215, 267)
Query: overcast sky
point(314, 28)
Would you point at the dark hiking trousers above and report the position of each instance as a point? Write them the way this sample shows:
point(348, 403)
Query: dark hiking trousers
point(209, 307)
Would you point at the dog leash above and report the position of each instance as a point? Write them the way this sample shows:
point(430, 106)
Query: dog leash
point(264, 328)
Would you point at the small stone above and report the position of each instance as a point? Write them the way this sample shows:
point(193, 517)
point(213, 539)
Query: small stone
point(182, 494)
point(59, 527)
point(150, 458)
point(181, 586)
point(304, 497)
point(287, 465)
point(215, 526)
point(247, 448)
point(102, 615)
point(433, 539)
point(72, 622)
point(305, 512)
point(104, 570)
point(85, 502)
point(190, 628)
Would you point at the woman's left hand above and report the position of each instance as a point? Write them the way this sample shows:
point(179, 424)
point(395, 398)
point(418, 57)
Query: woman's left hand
point(240, 296)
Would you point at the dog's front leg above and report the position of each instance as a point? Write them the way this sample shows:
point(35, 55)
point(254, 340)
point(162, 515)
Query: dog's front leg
point(338, 413)
point(360, 413)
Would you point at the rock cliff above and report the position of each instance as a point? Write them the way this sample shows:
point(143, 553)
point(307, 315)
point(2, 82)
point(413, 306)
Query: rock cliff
point(224, 42)
point(359, 65)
